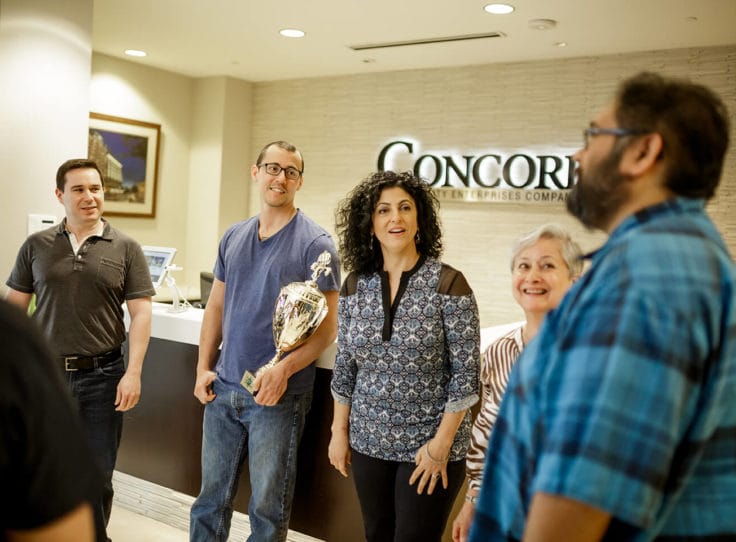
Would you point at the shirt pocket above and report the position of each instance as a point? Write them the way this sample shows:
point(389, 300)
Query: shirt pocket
point(111, 273)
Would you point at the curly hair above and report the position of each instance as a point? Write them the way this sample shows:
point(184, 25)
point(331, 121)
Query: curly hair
point(360, 251)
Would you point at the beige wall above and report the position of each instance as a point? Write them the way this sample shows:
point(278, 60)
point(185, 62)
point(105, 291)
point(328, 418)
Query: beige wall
point(205, 131)
point(217, 184)
point(234, 196)
point(212, 130)
point(131, 90)
point(45, 51)
point(341, 123)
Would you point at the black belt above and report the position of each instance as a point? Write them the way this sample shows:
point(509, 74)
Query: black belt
point(76, 363)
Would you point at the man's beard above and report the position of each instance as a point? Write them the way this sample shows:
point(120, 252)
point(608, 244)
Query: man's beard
point(599, 193)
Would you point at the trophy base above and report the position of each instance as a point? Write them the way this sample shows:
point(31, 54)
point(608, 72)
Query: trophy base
point(247, 381)
point(249, 378)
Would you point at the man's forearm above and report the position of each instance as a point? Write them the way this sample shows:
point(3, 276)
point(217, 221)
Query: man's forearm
point(553, 517)
point(19, 299)
point(210, 338)
point(139, 336)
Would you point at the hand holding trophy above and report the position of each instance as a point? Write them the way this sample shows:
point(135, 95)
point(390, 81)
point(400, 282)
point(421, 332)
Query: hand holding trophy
point(299, 310)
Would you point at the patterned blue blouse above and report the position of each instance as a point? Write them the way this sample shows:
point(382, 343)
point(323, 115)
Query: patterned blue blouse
point(401, 366)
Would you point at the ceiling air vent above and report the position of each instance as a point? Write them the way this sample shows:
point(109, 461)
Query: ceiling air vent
point(424, 41)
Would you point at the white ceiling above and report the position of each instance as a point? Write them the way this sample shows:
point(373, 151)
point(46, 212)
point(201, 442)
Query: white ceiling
point(239, 38)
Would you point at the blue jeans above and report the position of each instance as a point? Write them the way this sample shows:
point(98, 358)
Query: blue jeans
point(94, 393)
point(235, 427)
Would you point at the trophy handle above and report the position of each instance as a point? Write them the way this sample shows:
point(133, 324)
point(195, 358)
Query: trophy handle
point(249, 378)
point(322, 265)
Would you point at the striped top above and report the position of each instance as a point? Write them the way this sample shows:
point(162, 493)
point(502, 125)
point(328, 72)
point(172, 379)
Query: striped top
point(498, 359)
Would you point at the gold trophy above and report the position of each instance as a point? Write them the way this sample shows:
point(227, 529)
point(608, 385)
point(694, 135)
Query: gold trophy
point(299, 310)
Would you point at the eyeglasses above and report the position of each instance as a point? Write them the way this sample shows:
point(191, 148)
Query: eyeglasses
point(272, 168)
point(618, 132)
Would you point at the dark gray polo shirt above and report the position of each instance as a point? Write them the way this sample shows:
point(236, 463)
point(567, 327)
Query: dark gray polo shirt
point(79, 297)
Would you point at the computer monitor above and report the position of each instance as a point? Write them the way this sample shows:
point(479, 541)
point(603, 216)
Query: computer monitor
point(158, 259)
point(205, 286)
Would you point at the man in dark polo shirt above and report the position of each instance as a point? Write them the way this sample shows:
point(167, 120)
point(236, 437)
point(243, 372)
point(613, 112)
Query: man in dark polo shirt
point(82, 270)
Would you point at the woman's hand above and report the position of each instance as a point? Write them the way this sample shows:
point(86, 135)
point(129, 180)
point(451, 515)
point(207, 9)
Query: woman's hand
point(339, 451)
point(430, 469)
point(461, 525)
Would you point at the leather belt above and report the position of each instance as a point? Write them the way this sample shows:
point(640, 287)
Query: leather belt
point(77, 363)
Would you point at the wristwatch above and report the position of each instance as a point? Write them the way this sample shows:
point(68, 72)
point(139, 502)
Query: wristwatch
point(472, 499)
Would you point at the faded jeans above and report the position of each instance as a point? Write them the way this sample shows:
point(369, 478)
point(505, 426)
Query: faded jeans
point(236, 428)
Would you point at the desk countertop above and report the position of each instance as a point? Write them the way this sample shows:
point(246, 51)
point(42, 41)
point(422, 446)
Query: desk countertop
point(184, 327)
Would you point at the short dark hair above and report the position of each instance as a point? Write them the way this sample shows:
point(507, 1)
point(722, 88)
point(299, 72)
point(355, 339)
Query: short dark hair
point(75, 163)
point(692, 121)
point(283, 145)
point(359, 250)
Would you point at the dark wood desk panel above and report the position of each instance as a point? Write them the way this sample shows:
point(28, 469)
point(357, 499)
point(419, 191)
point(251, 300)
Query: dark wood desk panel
point(162, 435)
point(325, 503)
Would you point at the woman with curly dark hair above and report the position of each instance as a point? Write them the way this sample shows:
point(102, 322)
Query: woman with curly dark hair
point(406, 370)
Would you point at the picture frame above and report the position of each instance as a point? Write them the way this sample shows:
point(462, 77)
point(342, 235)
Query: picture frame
point(126, 152)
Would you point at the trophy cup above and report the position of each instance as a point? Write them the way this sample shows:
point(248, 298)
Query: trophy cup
point(298, 312)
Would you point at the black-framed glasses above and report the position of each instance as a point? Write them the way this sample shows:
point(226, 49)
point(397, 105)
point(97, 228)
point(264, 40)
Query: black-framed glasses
point(618, 132)
point(272, 168)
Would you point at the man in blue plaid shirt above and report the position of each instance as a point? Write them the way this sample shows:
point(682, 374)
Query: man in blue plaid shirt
point(619, 421)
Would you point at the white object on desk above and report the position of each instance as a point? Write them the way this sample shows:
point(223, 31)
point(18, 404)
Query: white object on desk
point(179, 303)
point(182, 327)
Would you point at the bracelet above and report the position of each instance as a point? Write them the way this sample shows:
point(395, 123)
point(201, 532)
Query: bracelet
point(432, 459)
point(472, 499)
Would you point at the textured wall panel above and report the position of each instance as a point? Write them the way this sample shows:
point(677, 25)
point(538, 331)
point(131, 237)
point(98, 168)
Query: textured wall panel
point(341, 124)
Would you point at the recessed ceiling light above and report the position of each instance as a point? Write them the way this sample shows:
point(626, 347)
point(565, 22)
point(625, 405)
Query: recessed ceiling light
point(561, 44)
point(542, 24)
point(291, 33)
point(135, 52)
point(499, 9)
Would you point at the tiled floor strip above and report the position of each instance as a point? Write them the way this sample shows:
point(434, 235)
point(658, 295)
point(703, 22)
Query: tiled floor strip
point(171, 507)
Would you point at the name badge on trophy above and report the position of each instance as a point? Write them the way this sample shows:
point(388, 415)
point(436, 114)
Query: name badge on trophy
point(299, 310)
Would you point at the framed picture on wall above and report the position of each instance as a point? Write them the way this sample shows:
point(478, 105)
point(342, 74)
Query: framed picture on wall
point(126, 151)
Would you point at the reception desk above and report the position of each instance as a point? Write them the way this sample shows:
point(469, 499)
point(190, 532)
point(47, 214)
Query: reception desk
point(162, 436)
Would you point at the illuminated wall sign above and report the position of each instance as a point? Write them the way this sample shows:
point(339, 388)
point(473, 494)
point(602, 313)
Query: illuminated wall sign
point(489, 177)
